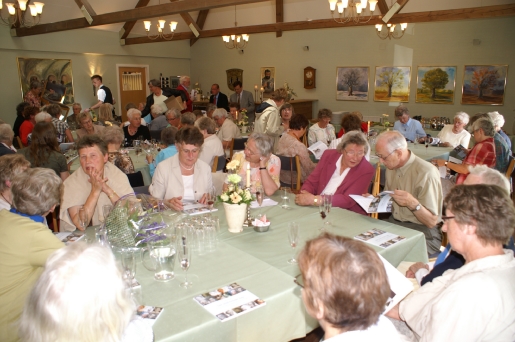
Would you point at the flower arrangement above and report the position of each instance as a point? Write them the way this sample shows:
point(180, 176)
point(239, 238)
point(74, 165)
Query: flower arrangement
point(197, 88)
point(290, 91)
point(386, 123)
point(244, 120)
point(234, 193)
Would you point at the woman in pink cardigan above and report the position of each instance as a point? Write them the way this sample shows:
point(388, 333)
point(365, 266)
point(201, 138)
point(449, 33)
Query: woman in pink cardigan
point(341, 172)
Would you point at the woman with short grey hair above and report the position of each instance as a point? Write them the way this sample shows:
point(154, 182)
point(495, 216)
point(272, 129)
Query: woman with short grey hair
point(26, 241)
point(135, 130)
point(113, 136)
point(87, 127)
point(10, 165)
point(455, 134)
point(322, 131)
point(265, 167)
point(6, 139)
point(212, 146)
point(498, 120)
point(168, 141)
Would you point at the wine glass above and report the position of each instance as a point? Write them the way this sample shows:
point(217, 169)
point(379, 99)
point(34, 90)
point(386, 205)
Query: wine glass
point(328, 202)
point(129, 266)
point(184, 254)
point(211, 197)
point(293, 238)
point(106, 210)
point(83, 218)
point(259, 195)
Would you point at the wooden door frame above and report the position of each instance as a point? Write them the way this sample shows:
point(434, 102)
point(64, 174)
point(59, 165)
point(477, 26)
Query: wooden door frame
point(147, 79)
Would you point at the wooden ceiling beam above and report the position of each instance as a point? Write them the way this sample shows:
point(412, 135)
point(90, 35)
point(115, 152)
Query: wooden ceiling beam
point(129, 25)
point(402, 3)
point(279, 15)
point(201, 20)
point(132, 14)
point(383, 7)
point(191, 23)
point(418, 17)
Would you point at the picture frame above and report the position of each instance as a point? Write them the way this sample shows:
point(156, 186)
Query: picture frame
point(352, 83)
point(484, 84)
point(392, 84)
point(267, 81)
point(55, 74)
point(436, 84)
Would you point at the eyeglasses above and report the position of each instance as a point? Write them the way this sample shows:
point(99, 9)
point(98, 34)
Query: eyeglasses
point(171, 119)
point(353, 153)
point(248, 149)
point(445, 218)
point(194, 151)
point(384, 158)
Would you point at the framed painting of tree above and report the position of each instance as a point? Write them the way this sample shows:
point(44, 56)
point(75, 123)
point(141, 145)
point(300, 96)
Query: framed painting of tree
point(484, 84)
point(436, 84)
point(392, 84)
point(352, 83)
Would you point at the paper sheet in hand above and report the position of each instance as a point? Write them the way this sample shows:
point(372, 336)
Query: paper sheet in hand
point(380, 204)
point(197, 209)
point(229, 302)
point(318, 149)
point(400, 286)
point(379, 238)
point(267, 202)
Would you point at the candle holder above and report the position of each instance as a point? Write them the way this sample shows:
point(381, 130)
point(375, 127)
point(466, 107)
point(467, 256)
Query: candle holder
point(248, 220)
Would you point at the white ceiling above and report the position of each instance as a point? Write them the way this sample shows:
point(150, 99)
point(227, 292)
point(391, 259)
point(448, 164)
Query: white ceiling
point(250, 14)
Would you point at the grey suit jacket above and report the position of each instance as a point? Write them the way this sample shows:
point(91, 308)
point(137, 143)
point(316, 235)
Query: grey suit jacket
point(246, 101)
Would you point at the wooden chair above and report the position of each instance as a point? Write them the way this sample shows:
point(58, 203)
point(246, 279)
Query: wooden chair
point(237, 144)
point(219, 163)
point(375, 187)
point(20, 145)
point(141, 190)
point(509, 171)
point(136, 179)
point(291, 164)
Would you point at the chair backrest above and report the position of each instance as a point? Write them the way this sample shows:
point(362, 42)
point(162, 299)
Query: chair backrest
point(215, 164)
point(221, 163)
point(238, 144)
point(20, 145)
point(136, 179)
point(375, 186)
point(141, 190)
point(291, 164)
point(511, 167)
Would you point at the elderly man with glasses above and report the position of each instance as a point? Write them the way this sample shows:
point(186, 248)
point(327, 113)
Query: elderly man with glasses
point(417, 191)
point(173, 117)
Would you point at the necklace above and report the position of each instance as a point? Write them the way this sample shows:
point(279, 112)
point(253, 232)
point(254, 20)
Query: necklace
point(185, 168)
point(131, 132)
point(5, 199)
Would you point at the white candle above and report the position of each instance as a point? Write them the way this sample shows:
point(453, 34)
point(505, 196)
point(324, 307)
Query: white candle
point(248, 175)
point(368, 126)
point(255, 87)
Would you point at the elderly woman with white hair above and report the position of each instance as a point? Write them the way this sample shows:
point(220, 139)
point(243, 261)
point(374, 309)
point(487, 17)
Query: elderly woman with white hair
point(184, 89)
point(227, 129)
point(113, 136)
point(135, 130)
point(86, 280)
point(26, 242)
point(455, 134)
point(498, 120)
point(6, 139)
point(265, 167)
point(341, 172)
point(158, 122)
point(10, 165)
point(212, 146)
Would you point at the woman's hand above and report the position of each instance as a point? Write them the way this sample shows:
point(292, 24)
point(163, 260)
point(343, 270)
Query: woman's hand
point(97, 182)
point(304, 198)
point(203, 199)
point(410, 273)
point(263, 161)
point(175, 203)
point(150, 158)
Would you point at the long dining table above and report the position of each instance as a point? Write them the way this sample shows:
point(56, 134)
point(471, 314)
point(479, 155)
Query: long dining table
point(258, 262)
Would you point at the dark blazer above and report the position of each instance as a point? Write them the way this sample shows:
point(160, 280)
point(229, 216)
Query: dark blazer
point(355, 183)
point(222, 102)
point(166, 92)
point(5, 150)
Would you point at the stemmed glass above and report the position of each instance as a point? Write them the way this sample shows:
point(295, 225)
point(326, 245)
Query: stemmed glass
point(328, 203)
point(324, 207)
point(211, 197)
point(129, 266)
point(137, 147)
point(83, 218)
point(293, 238)
point(184, 254)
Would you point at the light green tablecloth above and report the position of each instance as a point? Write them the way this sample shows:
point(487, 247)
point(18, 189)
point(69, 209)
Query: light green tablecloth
point(139, 162)
point(258, 262)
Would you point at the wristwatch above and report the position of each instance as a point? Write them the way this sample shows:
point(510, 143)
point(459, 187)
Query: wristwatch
point(315, 200)
point(417, 208)
point(446, 164)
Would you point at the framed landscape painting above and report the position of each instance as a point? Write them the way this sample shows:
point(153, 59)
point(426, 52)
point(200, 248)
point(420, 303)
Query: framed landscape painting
point(392, 84)
point(484, 84)
point(436, 84)
point(56, 74)
point(352, 83)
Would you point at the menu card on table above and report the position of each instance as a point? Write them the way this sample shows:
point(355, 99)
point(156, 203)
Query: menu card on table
point(379, 238)
point(149, 313)
point(68, 237)
point(197, 209)
point(228, 302)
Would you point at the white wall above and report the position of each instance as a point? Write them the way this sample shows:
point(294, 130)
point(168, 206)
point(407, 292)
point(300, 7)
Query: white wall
point(442, 43)
point(91, 52)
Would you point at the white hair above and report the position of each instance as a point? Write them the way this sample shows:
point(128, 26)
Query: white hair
point(42, 116)
point(394, 141)
point(158, 108)
point(490, 177)
point(133, 111)
point(464, 117)
point(6, 134)
point(497, 118)
point(220, 113)
point(80, 296)
point(353, 137)
point(183, 79)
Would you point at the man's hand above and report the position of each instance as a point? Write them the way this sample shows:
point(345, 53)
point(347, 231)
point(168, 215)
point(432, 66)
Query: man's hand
point(410, 273)
point(404, 199)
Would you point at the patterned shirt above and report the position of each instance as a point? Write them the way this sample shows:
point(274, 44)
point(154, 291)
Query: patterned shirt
point(273, 167)
point(482, 153)
point(316, 133)
point(502, 153)
point(32, 99)
point(61, 128)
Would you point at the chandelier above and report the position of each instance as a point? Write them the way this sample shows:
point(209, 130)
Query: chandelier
point(354, 10)
point(160, 29)
point(17, 13)
point(390, 31)
point(236, 41)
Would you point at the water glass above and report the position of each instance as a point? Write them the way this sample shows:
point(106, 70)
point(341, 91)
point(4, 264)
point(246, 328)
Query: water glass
point(285, 195)
point(163, 254)
point(129, 266)
point(83, 218)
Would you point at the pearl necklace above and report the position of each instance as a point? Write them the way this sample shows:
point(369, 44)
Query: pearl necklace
point(185, 168)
